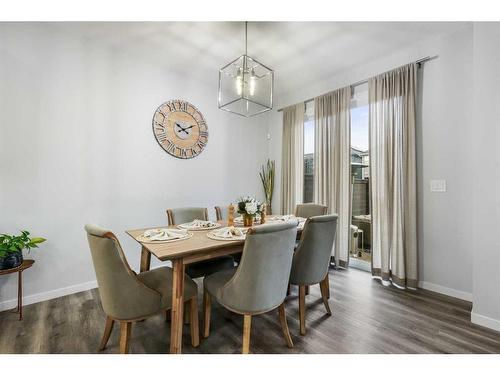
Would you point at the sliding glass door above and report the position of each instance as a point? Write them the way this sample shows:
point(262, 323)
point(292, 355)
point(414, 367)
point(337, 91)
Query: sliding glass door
point(360, 229)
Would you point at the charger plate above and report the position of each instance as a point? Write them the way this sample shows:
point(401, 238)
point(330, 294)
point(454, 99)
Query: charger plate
point(143, 239)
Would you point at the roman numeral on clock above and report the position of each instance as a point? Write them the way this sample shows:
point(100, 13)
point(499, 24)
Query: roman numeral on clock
point(161, 137)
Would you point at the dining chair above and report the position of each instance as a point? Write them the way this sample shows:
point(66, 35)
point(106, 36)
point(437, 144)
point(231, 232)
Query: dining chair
point(259, 283)
point(204, 268)
point(311, 261)
point(221, 212)
point(127, 297)
point(310, 209)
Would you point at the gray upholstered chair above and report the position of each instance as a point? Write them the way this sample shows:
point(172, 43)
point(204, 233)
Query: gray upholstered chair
point(310, 209)
point(311, 260)
point(221, 212)
point(259, 283)
point(204, 268)
point(128, 297)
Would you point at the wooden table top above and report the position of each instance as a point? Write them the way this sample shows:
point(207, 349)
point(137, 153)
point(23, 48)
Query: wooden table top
point(27, 263)
point(197, 244)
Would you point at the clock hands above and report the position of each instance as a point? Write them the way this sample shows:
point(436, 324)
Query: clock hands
point(181, 128)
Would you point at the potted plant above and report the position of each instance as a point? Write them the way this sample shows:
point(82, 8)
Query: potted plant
point(267, 177)
point(11, 248)
point(248, 207)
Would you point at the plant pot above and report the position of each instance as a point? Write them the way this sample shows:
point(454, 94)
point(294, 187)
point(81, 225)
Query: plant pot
point(11, 260)
point(247, 220)
point(269, 209)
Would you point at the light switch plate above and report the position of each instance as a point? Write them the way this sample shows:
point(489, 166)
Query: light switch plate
point(438, 186)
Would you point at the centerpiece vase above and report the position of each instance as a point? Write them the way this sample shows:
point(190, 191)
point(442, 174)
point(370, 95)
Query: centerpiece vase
point(247, 220)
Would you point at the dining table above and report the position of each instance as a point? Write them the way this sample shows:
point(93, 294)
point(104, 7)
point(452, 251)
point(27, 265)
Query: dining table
point(196, 248)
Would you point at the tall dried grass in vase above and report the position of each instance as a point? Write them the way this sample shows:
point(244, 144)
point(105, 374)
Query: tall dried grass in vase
point(267, 177)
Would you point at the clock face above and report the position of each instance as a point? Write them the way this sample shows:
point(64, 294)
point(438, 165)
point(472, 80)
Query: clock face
point(180, 129)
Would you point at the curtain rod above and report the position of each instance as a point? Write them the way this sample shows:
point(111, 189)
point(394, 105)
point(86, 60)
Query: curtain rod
point(419, 61)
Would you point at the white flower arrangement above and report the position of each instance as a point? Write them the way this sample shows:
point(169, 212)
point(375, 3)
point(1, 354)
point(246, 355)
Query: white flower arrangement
point(248, 206)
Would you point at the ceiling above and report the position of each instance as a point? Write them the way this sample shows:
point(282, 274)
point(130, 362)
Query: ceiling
point(299, 52)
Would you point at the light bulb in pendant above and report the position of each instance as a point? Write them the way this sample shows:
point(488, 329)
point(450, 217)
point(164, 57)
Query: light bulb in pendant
point(252, 83)
point(239, 82)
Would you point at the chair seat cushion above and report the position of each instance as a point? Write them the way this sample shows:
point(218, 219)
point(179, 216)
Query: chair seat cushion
point(160, 279)
point(208, 267)
point(216, 281)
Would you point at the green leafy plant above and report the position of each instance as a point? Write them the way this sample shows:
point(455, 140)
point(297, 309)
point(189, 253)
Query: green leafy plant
point(13, 244)
point(267, 177)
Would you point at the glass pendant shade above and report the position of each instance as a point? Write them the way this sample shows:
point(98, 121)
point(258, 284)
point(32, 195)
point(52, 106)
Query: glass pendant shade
point(246, 87)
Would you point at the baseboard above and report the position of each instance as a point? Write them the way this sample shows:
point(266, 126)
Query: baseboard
point(446, 291)
point(484, 321)
point(44, 296)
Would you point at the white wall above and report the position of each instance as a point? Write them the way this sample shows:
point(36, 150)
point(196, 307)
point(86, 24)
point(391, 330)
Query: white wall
point(445, 242)
point(76, 146)
point(485, 219)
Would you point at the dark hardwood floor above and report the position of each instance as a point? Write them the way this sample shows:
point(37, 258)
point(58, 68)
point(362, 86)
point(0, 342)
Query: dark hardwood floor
point(367, 318)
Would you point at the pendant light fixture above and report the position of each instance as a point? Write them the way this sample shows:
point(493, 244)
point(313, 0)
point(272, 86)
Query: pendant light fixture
point(246, 85)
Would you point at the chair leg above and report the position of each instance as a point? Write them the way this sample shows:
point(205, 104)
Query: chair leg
point(125, 328)
point(107, 332)
point(323, 285)
point(247, 325)
point(206, 313)
point(327, 283)
point(307, 290)
point(195, 330)
point(284, 325)
point(302, 309)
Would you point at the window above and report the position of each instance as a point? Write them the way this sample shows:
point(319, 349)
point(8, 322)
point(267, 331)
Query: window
point(309, 152)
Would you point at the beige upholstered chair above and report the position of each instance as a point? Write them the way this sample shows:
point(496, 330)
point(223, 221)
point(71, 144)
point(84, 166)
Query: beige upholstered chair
point(128, 297)
point(221, 212)
point(259, 283)
point(311, 260)
point(310, 209)
point(178, 216)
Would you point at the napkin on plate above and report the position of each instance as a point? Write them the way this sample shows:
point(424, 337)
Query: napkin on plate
point(196, 224)
point(284, 217)
point(163, 234)
point(229, 232)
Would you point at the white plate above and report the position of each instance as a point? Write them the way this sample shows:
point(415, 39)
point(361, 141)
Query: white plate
point(186, 226)
point(143, 239)
point(212, 236)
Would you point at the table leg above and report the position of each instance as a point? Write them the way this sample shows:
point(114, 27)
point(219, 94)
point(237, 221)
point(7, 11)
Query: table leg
point(145, 260)
point(177, 306)
point(20, 294)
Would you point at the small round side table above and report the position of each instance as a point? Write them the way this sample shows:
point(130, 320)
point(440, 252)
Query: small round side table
point(27, 263)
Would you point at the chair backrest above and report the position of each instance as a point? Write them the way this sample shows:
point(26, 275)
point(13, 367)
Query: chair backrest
point(261, 280)
point(123, 295)
point(310, 209)
point(312, 257)
point(221, 212)
point(176, 216)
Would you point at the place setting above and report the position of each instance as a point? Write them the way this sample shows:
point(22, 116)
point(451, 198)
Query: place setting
point(199, 225)
point(163, 235)
point(230, 233)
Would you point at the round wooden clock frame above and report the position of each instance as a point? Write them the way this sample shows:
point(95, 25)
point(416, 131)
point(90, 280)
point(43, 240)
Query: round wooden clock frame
point(180, 129)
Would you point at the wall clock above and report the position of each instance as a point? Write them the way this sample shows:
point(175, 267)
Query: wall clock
point(180, 129)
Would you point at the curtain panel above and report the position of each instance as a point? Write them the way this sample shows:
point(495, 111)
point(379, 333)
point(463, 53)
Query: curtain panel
point(392, 102)
point(332, 180)
point(292, 159)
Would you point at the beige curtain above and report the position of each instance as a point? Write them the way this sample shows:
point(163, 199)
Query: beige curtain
point(392, 100)
point(292, 159)
point(332, 180)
